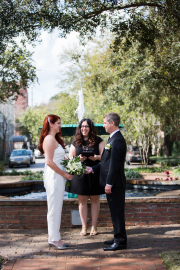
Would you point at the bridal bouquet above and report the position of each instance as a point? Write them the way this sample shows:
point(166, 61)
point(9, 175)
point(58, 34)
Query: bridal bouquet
point(74, 166)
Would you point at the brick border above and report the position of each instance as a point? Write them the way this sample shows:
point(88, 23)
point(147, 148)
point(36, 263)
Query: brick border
point(31, 214)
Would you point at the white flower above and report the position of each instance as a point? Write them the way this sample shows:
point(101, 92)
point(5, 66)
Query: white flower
point(74, 165)
point(108, 146)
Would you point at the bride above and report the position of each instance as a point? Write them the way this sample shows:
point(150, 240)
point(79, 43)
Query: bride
point(52, 145)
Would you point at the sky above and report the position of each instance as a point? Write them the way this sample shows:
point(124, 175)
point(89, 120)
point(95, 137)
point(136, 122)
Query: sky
point(46, 59)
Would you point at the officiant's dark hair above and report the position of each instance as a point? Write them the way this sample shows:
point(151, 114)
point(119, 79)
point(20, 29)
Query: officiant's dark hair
point(51, 118)
point(113, 117)
point(78, 138)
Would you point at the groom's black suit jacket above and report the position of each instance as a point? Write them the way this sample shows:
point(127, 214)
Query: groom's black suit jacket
point(112, 162)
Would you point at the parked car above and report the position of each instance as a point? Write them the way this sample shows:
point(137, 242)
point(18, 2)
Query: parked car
point(32, 156)
point(19, 157)
point(38, 154)
point(133, 154)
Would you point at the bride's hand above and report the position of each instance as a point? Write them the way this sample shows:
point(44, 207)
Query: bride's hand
point(68, 176)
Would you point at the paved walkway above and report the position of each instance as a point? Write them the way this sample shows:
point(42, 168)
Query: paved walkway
point(28, 249)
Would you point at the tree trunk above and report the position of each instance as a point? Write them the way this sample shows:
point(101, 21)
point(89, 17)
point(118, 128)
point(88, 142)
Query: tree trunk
point(167, 145)
point(3, 149)
point(1, 152)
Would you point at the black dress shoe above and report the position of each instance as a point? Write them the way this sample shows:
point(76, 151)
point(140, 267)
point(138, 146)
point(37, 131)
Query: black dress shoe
point(110, 242)
point(114, 247)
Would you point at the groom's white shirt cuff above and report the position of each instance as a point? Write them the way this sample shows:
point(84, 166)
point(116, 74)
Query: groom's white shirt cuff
point(109, 185)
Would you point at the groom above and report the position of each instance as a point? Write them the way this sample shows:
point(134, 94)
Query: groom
point(112, 177)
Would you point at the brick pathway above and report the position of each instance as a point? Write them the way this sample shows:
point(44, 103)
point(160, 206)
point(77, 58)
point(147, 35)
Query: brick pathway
point(28, 249)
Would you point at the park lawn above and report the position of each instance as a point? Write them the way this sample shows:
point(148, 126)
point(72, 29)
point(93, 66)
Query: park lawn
point(171, 259)
point(171, 161)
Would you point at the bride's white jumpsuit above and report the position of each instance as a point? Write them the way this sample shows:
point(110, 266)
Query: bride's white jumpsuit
point(54, 184)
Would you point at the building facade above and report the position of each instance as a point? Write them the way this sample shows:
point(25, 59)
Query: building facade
point(9, 112)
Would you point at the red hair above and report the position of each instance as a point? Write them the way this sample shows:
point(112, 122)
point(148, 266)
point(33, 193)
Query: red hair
point(45, 130)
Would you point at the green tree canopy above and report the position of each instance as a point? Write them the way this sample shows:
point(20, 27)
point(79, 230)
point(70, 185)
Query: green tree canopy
point(138, 17)
point(64, 105)
point(16, 71)
point(130, 81)
point(145, 21)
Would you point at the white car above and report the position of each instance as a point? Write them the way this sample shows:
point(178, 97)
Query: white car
point(19, 157)
point(38, 154)
point(133, 154)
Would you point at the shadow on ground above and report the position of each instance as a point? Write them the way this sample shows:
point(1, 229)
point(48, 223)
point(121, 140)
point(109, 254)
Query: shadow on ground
point(142, 241)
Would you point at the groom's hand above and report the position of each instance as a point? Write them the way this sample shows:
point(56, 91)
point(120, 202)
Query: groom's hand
point(89, 170)
point(108, 189)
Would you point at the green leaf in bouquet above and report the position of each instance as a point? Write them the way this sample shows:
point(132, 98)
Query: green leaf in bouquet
point(68, 183)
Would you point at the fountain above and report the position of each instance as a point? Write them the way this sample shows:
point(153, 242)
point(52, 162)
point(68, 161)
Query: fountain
point(69, 129)
point(31, 213)
point(81, 108)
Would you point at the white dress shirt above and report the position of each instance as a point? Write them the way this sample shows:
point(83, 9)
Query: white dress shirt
point(113, 133)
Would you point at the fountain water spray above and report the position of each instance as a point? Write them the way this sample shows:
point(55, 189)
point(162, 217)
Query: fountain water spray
point(81, 108)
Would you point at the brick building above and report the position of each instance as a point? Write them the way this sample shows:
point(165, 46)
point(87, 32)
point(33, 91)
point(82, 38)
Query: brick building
point(11, 110)
point(20, 104)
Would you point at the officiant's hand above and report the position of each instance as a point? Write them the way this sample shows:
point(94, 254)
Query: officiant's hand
point(82, 158)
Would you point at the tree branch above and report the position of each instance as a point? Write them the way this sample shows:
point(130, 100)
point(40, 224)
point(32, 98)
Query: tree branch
point(176, 14)
point(141, 4)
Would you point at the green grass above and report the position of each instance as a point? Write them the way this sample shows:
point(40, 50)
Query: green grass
point(171, 259)
point(171, 161)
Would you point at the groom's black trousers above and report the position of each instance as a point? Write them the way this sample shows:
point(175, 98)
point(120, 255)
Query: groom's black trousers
point(116, 201)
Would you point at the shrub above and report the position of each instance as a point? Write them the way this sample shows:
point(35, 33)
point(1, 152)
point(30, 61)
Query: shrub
point(150, 170)
point(1, 165)
point(15, 172)
point(130, 173)
point(176, 171)
point(35, 176)
point(164, 161)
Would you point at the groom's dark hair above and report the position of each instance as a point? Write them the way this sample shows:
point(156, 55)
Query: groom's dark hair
point(113, 117)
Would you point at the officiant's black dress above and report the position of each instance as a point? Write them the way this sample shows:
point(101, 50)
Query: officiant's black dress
point(86, 184)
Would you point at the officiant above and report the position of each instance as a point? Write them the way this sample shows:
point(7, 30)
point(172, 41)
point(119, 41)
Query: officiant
point(89, 147)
